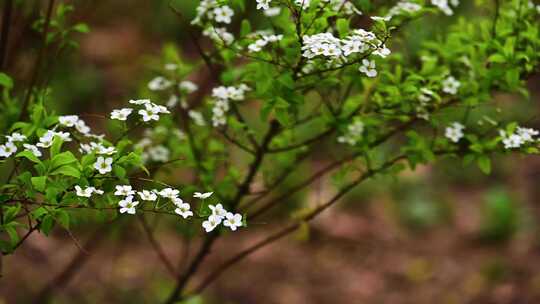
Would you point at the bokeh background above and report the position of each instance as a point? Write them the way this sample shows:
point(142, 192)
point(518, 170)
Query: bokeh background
point(442, 234)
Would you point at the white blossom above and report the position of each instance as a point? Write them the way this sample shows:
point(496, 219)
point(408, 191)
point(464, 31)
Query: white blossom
point(16, 137)
point(272, 11)
point(140, 101)
point(204, 195)
point(169, 193)
point(223, 14)
point(159, 83)
point(368, 68)
point(121, 114)
point(218, 210)
point(127, 205)
point(86, 192)
point(33, 149)
point(159, 153)
point(233, 221)
point(263, 4)
point(188, 87)
point(451, 85)
point(211, 223)
point(444, 6)
point(103, 165)
point(454, 132)
point(520, 137)
point(197, 118)
point(354, 133)
point(183, 209)
point(219, 35)
point(147, 195)
point(7, 149)
point(124, 190)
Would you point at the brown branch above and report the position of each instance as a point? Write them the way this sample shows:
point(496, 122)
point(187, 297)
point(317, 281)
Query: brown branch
point(4, 38)
point(157, 247)
point(39, 60)
point(292, 227)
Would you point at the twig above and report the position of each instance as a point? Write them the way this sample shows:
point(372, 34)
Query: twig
point(157, 248)
point(4, 38)
point(39, 60)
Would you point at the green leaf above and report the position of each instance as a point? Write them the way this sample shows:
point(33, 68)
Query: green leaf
point(82, 28)
point(64, 158)
point(67, 170)
point(39, 182)
point(28, 155)
point(62, 217)
point(6, 81)
point(484, 163)
point(56, 146)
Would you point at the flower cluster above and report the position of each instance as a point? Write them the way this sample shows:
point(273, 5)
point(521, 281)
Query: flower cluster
point(259, 44)
point(445, 5)
point(353, 134)
point(403, 7)
point(222, 96)
point(87, 192)
point(518, 138)
point(450, 85)
point(219, 35)
point(220, 215)
point(368, 68)
point(332, 48)
point(7, 149)
point(263, 4)
point(211, 10)
point(454, 132)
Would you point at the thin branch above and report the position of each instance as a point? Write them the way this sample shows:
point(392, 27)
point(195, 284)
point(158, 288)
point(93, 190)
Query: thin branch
point(39, 60)
point(4, 38)
point(292, 227)
point(157, 247)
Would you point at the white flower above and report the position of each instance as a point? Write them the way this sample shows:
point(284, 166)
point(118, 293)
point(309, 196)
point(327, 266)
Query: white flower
point(171, 66)
point(65, 136)
point(140, 101)
point(169, 193)
point(159, 153)
point(188, 87)
point(121, 114)
point(233, 221)
point(152, 112)
point(87, 192)
point(263, 4)
point(7, 149)
point(46, 140)
point(303, 3)
point(353, 134)
point(204, 195)
point(211, 223)
point(197, 117)
point(219, 34)
point(159, 83)
point(451, 85)
point(223, 14)
point(16, 137)
point(520, 137)
point(124, 190)
point(183, 209)
point(218, 210)
point(81, 126)
point(128, 205)
point(103, 165)
point(444, 6)
point(368, 68)
point(68, 120)
point(454, 132)
point(33, 149)
point(272, 11)
point(146, 195)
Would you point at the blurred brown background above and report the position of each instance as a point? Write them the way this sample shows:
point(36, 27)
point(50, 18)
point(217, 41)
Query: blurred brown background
point(443, 234)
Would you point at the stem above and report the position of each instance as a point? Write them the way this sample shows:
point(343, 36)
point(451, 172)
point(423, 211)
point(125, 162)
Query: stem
point(4, 38)
point(157, 248)
point(292, 227)
point(39, 60)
